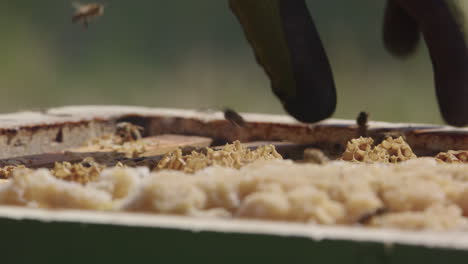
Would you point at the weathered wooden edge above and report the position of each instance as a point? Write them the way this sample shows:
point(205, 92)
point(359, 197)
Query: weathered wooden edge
point(91, 121)
point(57, 129)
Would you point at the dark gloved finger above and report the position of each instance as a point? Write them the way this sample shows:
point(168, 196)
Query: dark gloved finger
point(444, 28)
point(401, 32)
point(287, 45)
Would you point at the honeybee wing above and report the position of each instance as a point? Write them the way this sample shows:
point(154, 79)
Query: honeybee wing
point(77, 5)
point(234, 117)
point(78, 15)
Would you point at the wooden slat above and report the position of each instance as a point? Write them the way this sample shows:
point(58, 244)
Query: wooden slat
point(156, 147)
point(60, 129)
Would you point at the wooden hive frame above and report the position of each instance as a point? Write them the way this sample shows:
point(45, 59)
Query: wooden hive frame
point(55, 130)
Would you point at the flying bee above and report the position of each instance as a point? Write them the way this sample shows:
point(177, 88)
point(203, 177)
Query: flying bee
point(87, 12)
point(235, 118)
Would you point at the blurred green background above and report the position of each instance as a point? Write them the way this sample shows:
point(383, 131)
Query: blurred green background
point(192, 54)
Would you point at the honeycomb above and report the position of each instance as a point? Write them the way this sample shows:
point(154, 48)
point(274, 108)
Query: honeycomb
point(358, 150)
point(232, 155)
point(7, 171)
point(453, 157)
point(86, 171)
point(396, 149)
point(391, 150)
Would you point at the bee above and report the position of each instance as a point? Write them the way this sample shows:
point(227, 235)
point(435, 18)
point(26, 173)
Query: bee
point(128, 132)
point(235, 118)
point(362, 122)
point(87, 12)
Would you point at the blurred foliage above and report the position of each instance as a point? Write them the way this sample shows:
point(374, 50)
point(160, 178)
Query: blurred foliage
point(192, 54)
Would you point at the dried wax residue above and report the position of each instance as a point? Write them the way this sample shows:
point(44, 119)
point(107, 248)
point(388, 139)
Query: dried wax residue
point(414, 195)
point(386, 187)
point(232, 155)
point(40, 189)
point(2, 181)
point(389, 151)
point(437, 217)
point(419, 194)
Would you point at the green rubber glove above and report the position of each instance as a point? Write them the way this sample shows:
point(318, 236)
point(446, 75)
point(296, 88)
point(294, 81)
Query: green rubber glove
point(287, 45)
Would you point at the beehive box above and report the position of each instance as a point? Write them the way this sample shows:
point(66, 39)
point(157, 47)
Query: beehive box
point(68, 236)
